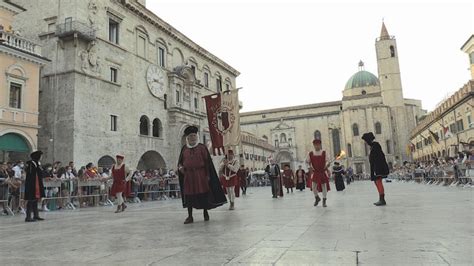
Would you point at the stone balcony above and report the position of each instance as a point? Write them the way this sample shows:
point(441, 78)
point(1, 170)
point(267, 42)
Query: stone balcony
point(75, 29)
point(19, 117)
point(15, 41)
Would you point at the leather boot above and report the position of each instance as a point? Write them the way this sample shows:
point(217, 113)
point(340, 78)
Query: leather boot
point(35, 211)
point(381, 201)
point(29, 210)
point(119, 208)
point(316, 202)
point(324, 203)
point(206, 215)
point(231, 207)
point(124, 206)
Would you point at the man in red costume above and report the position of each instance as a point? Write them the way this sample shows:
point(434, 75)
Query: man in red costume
point(317, 163)
point(288, 178)
point(120, 174)
point(229, 179)
point(378, 166)
point(300, 178)
point(198, 181)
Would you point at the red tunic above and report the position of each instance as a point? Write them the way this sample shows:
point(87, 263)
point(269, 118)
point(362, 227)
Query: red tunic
point(119, 180)
point(318, 162)
point(196, 174)
point(233, 181)
point(288, 178)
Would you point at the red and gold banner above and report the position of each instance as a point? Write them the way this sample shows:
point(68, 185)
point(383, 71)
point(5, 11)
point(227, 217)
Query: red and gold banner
point(224, 120)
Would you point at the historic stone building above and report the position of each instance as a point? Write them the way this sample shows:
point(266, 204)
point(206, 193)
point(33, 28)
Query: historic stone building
point(449, 128)
point(121, 80)
point(20, 65)
point(255, 151)
point(369, 103)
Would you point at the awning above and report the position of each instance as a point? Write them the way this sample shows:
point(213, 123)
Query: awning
point(13, 142)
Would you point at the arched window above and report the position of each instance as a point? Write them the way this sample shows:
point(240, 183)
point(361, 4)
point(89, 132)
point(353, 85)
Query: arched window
point(378, 128)
point(336, 141)
point(317, 135)
point(276, 143)
point(392, 51)
point(106, 161)
point(157, 128)
point(349, 150)
point(283, 138)
point(290, 140)
point(355, 130)
point(265, 138)
point(144, 125)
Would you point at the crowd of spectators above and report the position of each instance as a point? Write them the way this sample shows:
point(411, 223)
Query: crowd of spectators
point(65, 186)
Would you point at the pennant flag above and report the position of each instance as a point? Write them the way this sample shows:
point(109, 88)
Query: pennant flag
point(224, 120)
point(435, 137)
point(447, 132)
point(230, 116)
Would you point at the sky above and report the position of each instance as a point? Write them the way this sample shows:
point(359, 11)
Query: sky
point(303, 52)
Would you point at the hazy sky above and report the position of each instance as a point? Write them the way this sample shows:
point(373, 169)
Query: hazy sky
point(303, 52)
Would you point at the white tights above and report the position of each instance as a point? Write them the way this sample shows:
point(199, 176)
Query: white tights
point(119, 198)
point(231, 193)
point(323, 186)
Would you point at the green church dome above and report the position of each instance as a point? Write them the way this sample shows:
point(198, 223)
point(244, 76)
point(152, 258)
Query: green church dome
point(362, 79)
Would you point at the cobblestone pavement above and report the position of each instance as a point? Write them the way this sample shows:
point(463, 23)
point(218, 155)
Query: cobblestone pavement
point(421, 225)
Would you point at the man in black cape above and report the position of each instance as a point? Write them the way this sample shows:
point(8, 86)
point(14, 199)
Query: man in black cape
point(378, 166)
point(205, 192)
point(34, 189)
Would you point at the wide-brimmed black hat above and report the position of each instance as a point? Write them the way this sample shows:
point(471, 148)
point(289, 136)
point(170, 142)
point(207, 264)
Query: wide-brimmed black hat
point(35, 156)
point(190, 130)
point(368, 137)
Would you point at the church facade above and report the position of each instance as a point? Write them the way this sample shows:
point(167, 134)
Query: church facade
point(369, 103)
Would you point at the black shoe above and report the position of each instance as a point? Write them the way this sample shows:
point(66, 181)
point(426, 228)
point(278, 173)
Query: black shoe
point(28, 220)
point(189, 220)
point(38, 219)
point(206, 216)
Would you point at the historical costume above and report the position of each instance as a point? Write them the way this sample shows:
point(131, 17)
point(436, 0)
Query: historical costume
point(320, 180)
point(228, 177)
point(338, 173)
point(288, 178)
point(34, 189)
point(242, 174)
point(300, 179)
point(378, 166)
point(120, 176)
point(274, 174)
point(199, 184)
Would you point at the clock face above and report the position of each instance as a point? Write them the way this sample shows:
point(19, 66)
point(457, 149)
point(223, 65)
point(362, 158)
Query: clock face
point(155, 79)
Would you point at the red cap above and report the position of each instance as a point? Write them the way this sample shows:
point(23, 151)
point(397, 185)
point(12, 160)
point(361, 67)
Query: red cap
point(119, 156)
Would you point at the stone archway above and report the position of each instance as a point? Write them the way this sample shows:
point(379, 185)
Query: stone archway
point(106, 161)
point(283, 158)
point(151, 160)
point(14, 146)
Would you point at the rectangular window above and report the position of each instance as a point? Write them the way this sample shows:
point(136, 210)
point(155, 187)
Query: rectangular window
point(460, 125)
point(196, 102)
point(177, 96)
point(452, 128)
point(470, 124)
point(113, 123)
point(206, 80)
point(113, 31)
point(15, 95)
point(161, 56)
point(219, 84)
point(227, 87)
point(193, 68)
point(141, 46)
point(113, 74)
point(52, 26)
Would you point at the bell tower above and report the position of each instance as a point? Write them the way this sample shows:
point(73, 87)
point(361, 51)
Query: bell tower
point(391, 89)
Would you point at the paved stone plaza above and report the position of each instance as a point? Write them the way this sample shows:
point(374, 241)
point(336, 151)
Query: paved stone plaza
point(421, 225)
